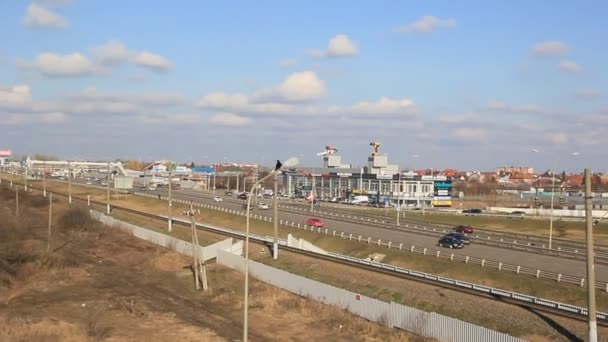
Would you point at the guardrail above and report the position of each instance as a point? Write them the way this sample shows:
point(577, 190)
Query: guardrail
point(503, 240)
point(488, 263)
point(510, 296)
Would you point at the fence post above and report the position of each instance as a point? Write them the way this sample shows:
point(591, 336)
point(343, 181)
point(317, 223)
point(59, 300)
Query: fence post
point(342, 235)
point(333, 233)
point(369, 240)
point(518, 269)
point(350, 236)
point(500, 266)
point(326, 231)
point(378, 242)
point(538, 274)
point(424, 251)
point(438, 253)
point(298, 226)
point(412, 249)
point(483, 262)
point(452, 257)
point(582, 282)
point(559, 277)
point(466, 260)
point(359, 238)
point(401, 246)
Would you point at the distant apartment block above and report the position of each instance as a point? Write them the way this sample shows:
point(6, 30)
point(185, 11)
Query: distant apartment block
point(515, 169)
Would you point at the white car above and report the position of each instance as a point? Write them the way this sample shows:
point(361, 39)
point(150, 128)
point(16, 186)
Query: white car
point(217, 199)
point(263, 206)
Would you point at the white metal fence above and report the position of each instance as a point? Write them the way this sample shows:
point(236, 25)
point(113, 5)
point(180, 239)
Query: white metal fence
point(392, 314)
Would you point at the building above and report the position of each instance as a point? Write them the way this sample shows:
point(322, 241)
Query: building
point(380, 181)
point(515, 169)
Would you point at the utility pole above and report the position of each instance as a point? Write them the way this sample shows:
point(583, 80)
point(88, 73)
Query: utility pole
point(25, 178)
point(399, 199)
point(237, 182)
point(17, 203)
point(214, 183)
point(590, 262)
point(170, 204)
point(551, 215)
point(275, 219)
point(108, 192)
point(195, 250)
point(228, 184)
point(312, 192)
point(43, 179)
point(48, 240)
point(69, 183)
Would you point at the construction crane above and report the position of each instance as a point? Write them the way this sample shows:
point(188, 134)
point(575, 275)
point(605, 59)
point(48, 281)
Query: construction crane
point(375, 145)
point(329, 150)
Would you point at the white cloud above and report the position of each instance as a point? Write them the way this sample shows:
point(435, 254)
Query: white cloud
point(55, 65)
point(556, 138)
point(384, 105)
point(53, 117)
point(588, 93)
point(550, 48)
point(230, 119)
point(54, 3)
point(17, 96)
point(112, 52)
point(569, 66)
point(469, 133)
point(152, 61)
point(505, 107)
point(427, 24)
point(288, 63)
point(241, 103)
point(339, 46)
point(38, 16)
point(298, 87)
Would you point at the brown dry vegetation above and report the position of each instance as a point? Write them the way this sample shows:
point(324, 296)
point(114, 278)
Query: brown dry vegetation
point(101, 284)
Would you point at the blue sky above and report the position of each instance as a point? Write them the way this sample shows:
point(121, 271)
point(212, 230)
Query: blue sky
point(470, 85)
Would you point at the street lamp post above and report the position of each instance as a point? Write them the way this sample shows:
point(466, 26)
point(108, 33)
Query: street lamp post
point(275, 218)
point(170, 204)
point(398, 199)
point(552, 197)
point(288, 163)
point(43, 179)
point(69, 183)
point(108, 191)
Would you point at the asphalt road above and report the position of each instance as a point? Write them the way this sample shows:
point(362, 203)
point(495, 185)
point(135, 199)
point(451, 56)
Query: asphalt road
point(543, 262)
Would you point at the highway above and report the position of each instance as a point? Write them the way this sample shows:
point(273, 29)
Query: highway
point(543, 262)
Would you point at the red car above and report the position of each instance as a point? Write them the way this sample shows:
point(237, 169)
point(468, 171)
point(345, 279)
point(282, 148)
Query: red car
point(463, 229)
point(315, 222)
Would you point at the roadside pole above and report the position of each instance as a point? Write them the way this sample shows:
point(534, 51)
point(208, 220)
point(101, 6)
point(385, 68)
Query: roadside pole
point(108, 191)
point(170, 204)
point(44, 179)
point(69, 183)
point(590, 262)
point(275, 219)
point(195, 247)
point(48, 239)
point(25, 178)
point(16, 203)
point(237, 183)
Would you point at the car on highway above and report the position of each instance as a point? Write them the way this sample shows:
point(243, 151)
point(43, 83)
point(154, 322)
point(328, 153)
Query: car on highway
point(104, 183)
point(242, 196)
point(517, 215)
point(151, 188)
point(217, 199)
point(263, 206)
point(89, 183)
point(228, 193)
point(463, 229)
point(450, 242)
point(459, 236)
point(471, 212)
point(315, 222)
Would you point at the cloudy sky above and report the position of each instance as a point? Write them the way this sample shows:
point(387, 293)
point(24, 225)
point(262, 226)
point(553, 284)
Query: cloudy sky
point(472, 85)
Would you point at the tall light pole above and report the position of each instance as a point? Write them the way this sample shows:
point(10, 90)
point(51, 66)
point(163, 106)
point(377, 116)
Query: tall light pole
point(399, 199)
point(590, 263)
point(552, 197)
point(25, 177)
point(69, 183)
point(43, 179)
point(275, 218)
point(170, 204)
point(288, 163)
point(108, 190)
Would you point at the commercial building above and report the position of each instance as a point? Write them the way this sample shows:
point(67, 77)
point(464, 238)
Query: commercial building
point(379, 180)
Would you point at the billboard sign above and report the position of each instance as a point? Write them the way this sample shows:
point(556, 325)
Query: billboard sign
point(5, 153)
point(159, 168)
point(181, 169)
